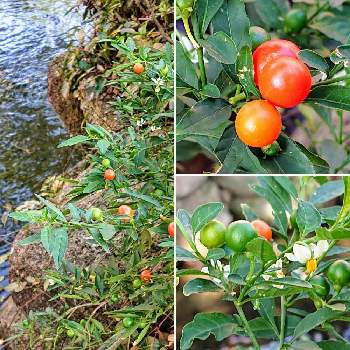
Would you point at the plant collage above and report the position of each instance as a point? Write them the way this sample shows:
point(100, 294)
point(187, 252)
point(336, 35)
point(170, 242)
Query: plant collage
point(175, 174)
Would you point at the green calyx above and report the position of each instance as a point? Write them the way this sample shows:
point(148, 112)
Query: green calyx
point(185, 7)
point(271, 150)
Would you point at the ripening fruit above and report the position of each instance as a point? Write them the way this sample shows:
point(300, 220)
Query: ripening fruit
point(136, 283)
point(146, 275)
point(285, 82)
point(239, 234)
point(109, 174)
point(269, 51)
point(126, 211)
point(258, 36)
point(128, 322)
point(138, 68)
point(258, 123)
point(96, 214)
point(171, 229)
point(212, 235)
point(263, 229)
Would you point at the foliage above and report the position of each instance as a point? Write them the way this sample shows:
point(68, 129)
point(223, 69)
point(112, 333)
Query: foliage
point(215, 79)
point(267, 274)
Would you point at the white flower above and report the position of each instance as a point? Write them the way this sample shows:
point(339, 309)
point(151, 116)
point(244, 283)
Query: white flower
point(308, 254)
point(274, 271)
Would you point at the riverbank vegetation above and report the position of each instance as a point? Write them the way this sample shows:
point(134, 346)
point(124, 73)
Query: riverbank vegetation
point(110, 278)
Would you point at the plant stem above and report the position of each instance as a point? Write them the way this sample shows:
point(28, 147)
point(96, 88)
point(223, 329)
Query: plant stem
point(246, 325)
point(189, 33)
point(233, 100)
point(201, 65)
point(333, 80)
point(318, 11)
point(340, 118)
point(283, 322)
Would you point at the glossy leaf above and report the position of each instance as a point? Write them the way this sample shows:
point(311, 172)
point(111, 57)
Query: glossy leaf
point(248, 212)
point(206, 10)
point(215, 254)
point(74, 141)
point(337, 233)
point(313, 60)
point(184, 255)
point(290, 282)
point(333, 344)
point(332, 96)
point(199, 285)
point(327, 191)
point(341, 54)
point(262, 249)
point(203, 325)
point(185, 68)
point(308, 217)
point(211, 90)
point(204, 213)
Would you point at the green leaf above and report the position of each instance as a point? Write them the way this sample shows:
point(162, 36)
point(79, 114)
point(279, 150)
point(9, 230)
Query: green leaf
point(97, 237)
point(330, 213)
point(184, 67)
point(204, 123)
point(262, 249)
point(313, 60)
point(211, 90)
point(215, 254)
point(183, 221)
point(26, 216)
point(74, 211)
point(267, 311)
point(245, 70)
point(327, 191)
point(312, 321)
point(74, 141)
point(287, 184)
point(206, 10)
point(308, 217)
point(233, 20)
point(204, 213)
point(30, 240)
point(248, 212)
point(337, 233)
point(305, 344)
point(190, 272)
point(333, 344)
point(341, 54)
point(289, 281)
point(143, 197)
point(332, 96)
point(203, 325)
point(107, 231)
point(234, 155)
point(103, 146)
point(51, 208)
point(97, 130)
point(199, 285)
point(184, 255)
point(221, 47)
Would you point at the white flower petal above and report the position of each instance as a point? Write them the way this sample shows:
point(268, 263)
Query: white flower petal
point(205, 270)
point(291, 257)
point(266, 277)
point(320, 248)
point(303, 253)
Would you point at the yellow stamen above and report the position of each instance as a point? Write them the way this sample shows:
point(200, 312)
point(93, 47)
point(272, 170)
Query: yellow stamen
point(311, 265)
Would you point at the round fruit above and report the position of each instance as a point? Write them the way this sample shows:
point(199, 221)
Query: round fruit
point(138, 68)
point(109, 174)
point(114, 298)
point(269, 51)
point(70, 333)
point(263, 229)
point(212, 235)
point(128, 322)
point(136, 283)
point(146, 275)
point(143, 324)
point(258, 36)
point(238, 234)
point(171, 229)
point(96, 214)
point(106, 163)
point(320, 286)
point(25, 324)
point(126, 211)
point(339, 274)
point(295, 21)
point(258, 123)
point(271, 150)
point(285, 82)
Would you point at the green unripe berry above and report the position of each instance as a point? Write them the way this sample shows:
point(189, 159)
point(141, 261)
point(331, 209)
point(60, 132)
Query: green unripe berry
point(106, 163)
point(212, 235)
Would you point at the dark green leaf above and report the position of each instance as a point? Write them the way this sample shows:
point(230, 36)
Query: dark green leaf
point(206, 10)
point(102, 146)
point(26, 216)
point(184, 255)
point(203, 214)
point(52, 208)
point(184, 67)
point(332, 96)
point(248, 212)
point(308, 217)
point(337, 233)
point(262, 249)
point(327, 191)
point(333, 345)
point(245, 70)
point(289, 281)
point(107, 231)
point(215, 254)
point(199, 285)
point(341, 54)
point(142, 197)
point(30, 240)
point(313, 60)
point(205, 324)
point(211, 90)
point(221, 47)
point(74, 141)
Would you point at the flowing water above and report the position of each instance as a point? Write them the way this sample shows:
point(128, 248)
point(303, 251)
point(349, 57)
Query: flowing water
point(32, 32)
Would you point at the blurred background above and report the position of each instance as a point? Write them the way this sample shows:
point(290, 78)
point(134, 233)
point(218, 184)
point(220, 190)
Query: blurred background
point(192, 191)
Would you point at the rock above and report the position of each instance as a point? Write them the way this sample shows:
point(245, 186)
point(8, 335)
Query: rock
point(188, 184)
